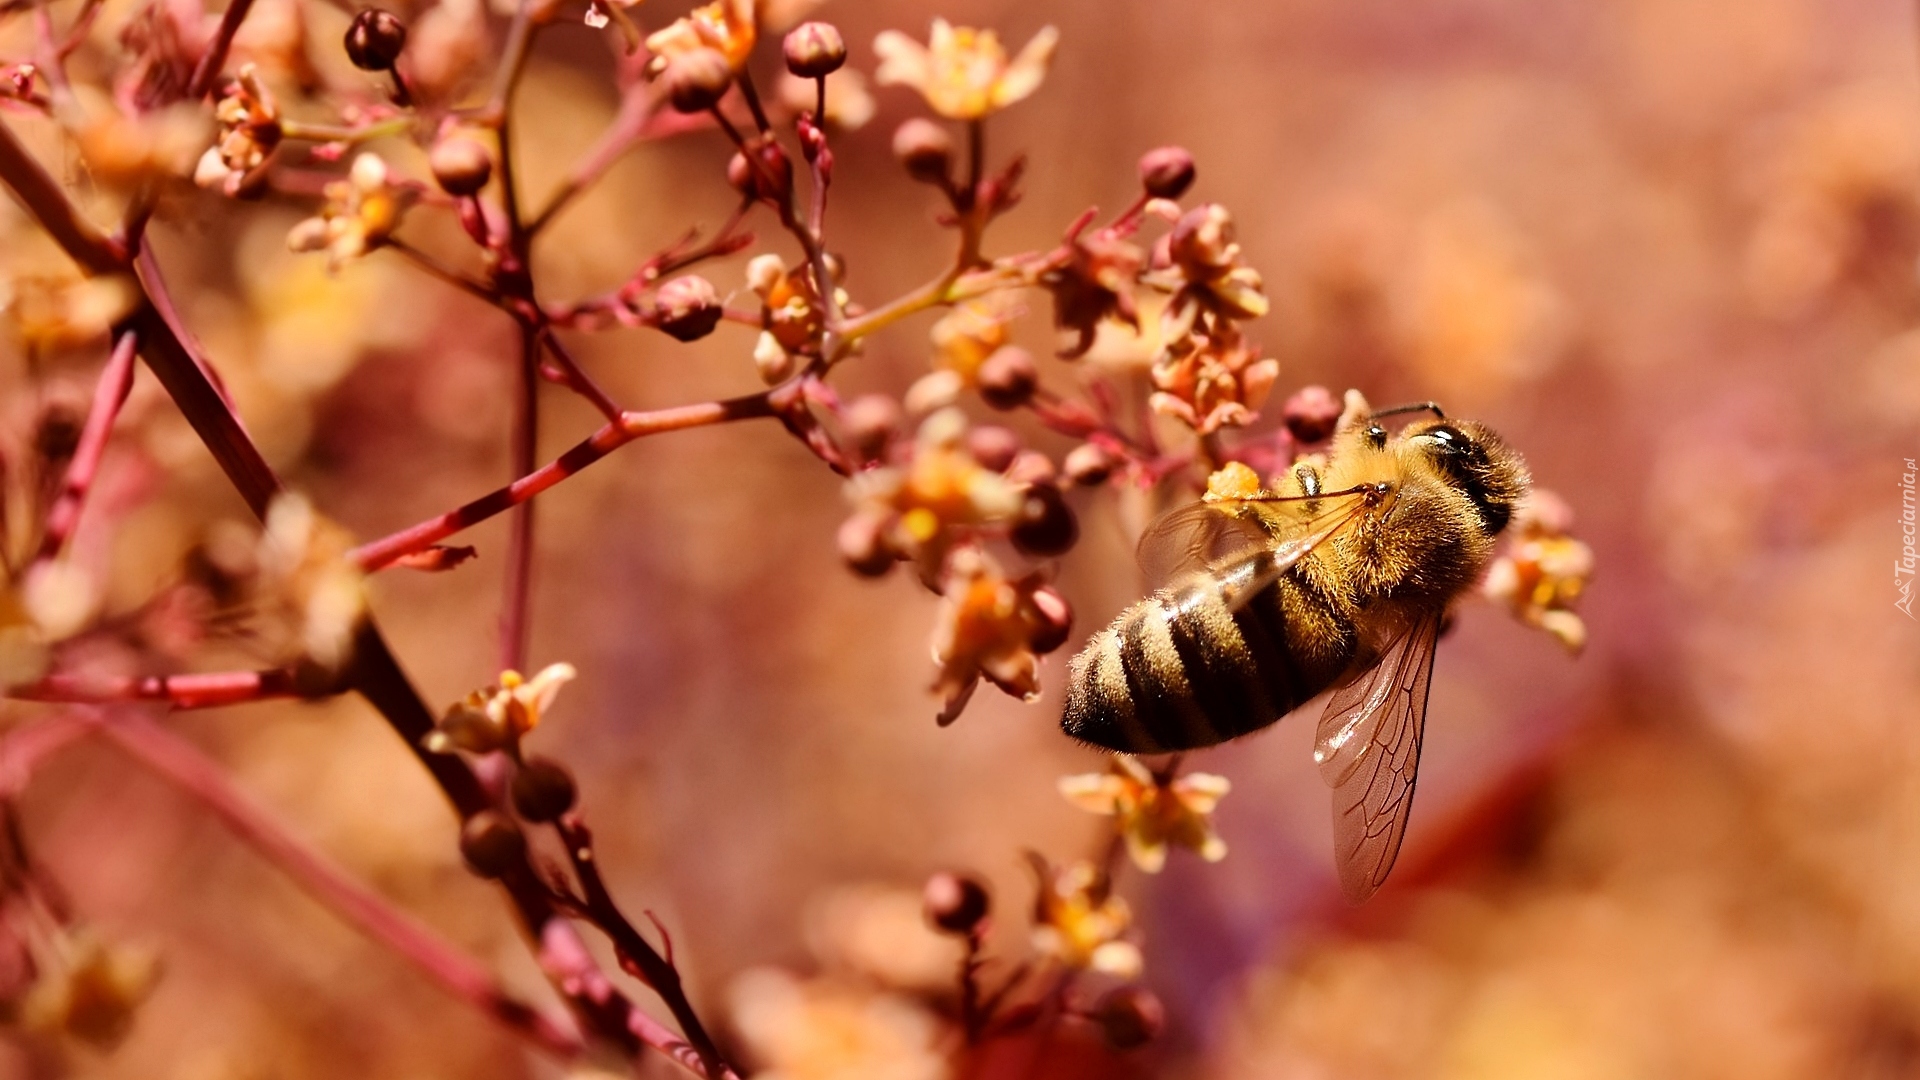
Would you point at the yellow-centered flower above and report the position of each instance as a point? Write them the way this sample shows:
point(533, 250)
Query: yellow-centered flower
point(964, 73)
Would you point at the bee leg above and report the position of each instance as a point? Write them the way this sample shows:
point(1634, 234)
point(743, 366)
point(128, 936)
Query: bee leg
point(1309, 479)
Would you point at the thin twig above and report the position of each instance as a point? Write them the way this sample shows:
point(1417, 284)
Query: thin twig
point(108, 394)
point(202, 691)
point(633, 949)
point(215, 57)
point(631, 425)
point(514, 624)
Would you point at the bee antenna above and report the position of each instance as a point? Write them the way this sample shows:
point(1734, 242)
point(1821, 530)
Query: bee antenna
point(1417, 406)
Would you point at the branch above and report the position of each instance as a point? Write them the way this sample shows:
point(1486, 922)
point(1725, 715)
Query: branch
point(108, 395)
point(178, 761)
point(374, 671)
point(180, 691)
point(215, 57)
point(40, 194)
point(514, 624)
point(630, 426)
point(635, 952)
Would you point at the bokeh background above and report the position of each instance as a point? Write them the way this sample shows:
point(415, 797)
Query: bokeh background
point(1666, 246)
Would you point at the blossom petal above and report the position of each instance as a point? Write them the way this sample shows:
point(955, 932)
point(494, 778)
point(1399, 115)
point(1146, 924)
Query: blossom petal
point(903, 61)
point(1096, 792)
point(1117, 958)
point(1028, 69)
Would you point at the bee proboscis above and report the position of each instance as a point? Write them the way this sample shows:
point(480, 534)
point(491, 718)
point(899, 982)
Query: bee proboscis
point(1341, 579)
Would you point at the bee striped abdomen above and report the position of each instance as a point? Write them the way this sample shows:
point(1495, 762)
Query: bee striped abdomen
point(1188, 668)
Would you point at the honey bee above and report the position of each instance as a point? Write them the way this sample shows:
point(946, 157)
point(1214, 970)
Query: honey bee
point(1339, 580)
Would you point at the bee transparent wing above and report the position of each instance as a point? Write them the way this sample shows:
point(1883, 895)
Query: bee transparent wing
point(1263, 536)
point(1368, 749)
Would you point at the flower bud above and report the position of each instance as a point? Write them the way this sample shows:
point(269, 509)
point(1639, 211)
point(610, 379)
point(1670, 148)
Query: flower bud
point(1045, 524)
point(1166, 173)
point(492, 844)
point(994, 447)
point(775, 364)
point(815, 50)
point(863, 544)
point(954, 903)
point(1130, 1017)
point(1311, 414)
point(542, 790)
point(770, 181)
point(871, 421)
point(1088, 465)
point(926, 150)
point(1032, 467)
point(374, 40)
point(1008, 378)
point(461, 165)
point(687, 308)
point(696, 80)
point(1052, 617)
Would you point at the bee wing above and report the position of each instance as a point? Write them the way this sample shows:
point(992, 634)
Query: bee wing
point(1211, 536)
point(1368, 747)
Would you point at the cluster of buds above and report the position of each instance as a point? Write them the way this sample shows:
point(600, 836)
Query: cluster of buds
point(250, 131)
point(995, 627)
point(1543, 570)
point(917, 507)
point(359, 215)
point(791, 316)
point(696, 57)
point(1208, 375)
point(495, 719)
point(1153, 809)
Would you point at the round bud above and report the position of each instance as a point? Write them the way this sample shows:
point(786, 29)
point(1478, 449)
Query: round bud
point(1166, 173)
point(1052, 617)
point(1088, 464)
point(1045, 524)
point(954, 903)
point(1130, 1017)
point(994, 447)
point(863, 544)
point(696, 80)
point(926, 149)
point(492, 843)
point(687, 308)
point(374, 40)
point(1311, 414)
point(461, 165)
point(770, 181)
point(815, 50)
point(1008, 378)
point(871, 422)
point(1031, 467)
point(542, 790)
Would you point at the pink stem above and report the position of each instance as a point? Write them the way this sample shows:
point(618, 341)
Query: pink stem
point(180, 691)
point(630, 426)
point(186, 767)
point(108, 395)
point(514, 622)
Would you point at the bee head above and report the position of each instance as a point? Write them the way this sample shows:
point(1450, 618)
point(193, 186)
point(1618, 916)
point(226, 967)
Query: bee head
point(1476, 461)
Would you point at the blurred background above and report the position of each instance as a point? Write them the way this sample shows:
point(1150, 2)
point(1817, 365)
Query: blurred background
point(1667, 247)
